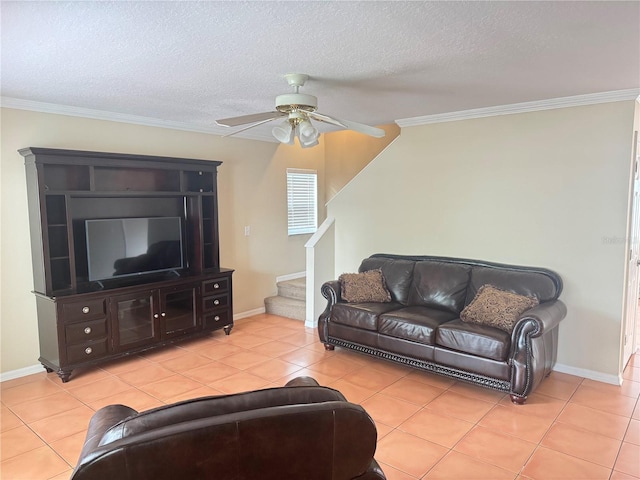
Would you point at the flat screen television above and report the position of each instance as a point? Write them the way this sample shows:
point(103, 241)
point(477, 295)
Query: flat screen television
point(120, 247)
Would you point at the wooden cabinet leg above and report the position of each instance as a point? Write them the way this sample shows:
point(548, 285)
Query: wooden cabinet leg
point(227, 329)
point(49, 370)
point(64, 375)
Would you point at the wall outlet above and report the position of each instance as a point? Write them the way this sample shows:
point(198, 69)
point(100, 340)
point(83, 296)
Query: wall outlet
point(247, 230)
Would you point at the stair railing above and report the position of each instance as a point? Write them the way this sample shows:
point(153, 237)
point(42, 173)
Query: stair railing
point(320, 268)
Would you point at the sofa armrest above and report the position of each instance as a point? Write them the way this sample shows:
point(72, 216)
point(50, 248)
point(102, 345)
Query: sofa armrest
point(534, 344)
point(332, 291)
point(538, 320)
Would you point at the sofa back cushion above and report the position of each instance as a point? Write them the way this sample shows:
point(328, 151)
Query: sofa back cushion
point(397, 275)
point(527, 283)
point(439, 285)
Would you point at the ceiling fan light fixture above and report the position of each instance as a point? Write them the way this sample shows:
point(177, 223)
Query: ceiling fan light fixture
point(300, 108)
point(284, 133)
point(308, 143)
point(307, 134)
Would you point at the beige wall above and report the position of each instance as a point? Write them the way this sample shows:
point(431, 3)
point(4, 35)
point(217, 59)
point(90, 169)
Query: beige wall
point(547, 188)
point(252, 186)
point(347, 153)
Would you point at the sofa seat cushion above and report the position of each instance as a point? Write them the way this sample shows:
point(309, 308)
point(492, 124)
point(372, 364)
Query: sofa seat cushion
point(417, 324)
point(361, 315)
point(480, 340)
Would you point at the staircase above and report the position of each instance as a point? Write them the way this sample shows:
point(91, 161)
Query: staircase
point(290, 301)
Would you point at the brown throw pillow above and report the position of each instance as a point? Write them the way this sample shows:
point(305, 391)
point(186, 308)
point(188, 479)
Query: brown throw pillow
point(364, 287)
point(497, 308)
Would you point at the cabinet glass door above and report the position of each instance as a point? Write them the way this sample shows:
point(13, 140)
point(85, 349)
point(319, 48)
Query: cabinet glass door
point(178, 310)
point(136, 324)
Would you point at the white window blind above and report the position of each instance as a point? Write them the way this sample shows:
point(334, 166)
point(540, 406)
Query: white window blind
point(302, 201)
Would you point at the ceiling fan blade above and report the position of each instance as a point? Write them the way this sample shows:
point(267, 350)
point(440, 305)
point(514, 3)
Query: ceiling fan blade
point(250, 126)
point(350, 125)
point(244, 119)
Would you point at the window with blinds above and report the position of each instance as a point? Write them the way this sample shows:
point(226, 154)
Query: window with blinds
point(302, 201)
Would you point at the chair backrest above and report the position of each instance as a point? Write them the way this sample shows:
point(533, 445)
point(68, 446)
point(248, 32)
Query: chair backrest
point(322, 437)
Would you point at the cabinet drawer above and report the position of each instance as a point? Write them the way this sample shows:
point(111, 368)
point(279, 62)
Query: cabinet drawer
point(85, 331)
point(218, 301)
point(214, 286)
point(87, 310)
point(87, 351)
point(217, 320)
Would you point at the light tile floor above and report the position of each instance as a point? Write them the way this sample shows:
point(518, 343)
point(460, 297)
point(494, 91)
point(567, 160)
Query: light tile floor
point(429, 427)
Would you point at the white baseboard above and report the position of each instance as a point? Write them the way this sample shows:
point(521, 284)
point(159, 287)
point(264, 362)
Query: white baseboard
point(291, 276)
point(21, 372)
point(311, 324)
point(578, 372)
point(590, 374)
point(248, 313)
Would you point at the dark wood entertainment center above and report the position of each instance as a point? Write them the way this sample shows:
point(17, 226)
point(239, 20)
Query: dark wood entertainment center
point(82, 322)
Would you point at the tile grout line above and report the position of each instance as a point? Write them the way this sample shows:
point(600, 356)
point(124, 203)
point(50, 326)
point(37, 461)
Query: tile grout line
point(343, 376)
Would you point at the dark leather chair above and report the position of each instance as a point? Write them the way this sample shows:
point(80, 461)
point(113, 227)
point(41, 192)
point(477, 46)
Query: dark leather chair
point(301, 431)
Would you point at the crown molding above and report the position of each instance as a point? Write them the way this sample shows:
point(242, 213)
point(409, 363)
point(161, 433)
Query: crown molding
point(563, 102)
point(43, 107)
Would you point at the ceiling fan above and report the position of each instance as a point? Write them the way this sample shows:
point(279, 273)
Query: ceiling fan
point(299, 109)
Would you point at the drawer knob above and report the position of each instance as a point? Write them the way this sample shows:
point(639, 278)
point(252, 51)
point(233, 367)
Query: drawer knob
point(155, 315)
point(87, 330)
point(215, 285)
point(88, 350)
point(85, 309)
point(217, 318)
point(216, 302)
point(163, 314)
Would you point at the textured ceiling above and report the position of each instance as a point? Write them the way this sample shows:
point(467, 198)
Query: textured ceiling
point(372, 62)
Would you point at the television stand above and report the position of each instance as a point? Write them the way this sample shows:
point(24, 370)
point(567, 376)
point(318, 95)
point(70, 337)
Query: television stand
point(82, 323)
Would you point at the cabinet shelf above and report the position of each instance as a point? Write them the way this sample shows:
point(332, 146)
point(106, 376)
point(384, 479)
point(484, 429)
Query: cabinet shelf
point(118, 193)
point(136, 179)
point(199, 181)
point(66, 177)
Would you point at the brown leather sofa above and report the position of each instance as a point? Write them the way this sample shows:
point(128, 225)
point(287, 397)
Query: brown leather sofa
point(300, 431)
point(421, 325)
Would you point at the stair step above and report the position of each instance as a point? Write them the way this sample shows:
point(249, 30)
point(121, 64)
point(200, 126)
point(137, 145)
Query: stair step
point(296, 288)
point(286, 307)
